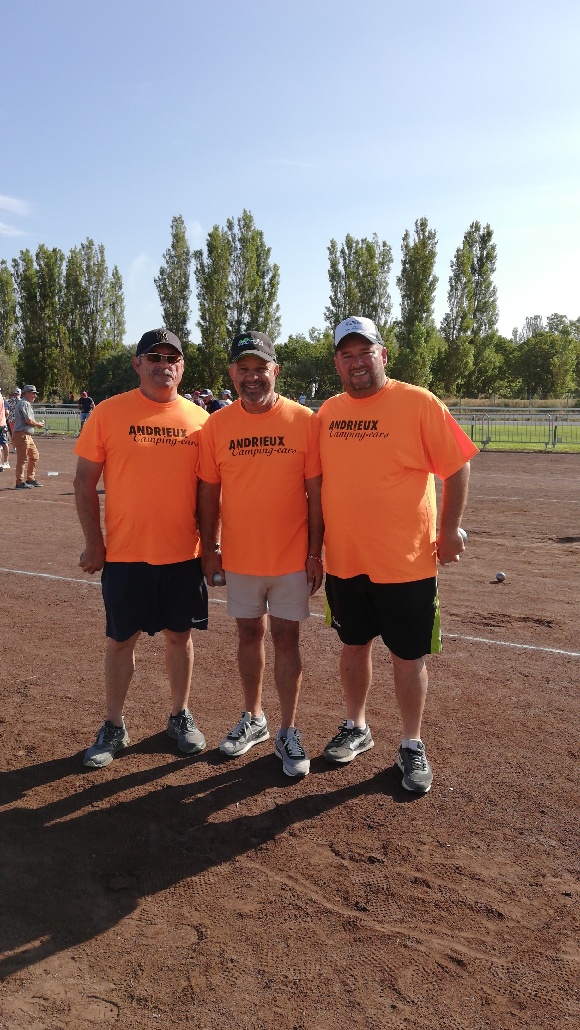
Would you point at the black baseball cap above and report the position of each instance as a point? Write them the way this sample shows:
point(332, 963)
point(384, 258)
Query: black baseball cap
point(252, 343)
point(156, 336)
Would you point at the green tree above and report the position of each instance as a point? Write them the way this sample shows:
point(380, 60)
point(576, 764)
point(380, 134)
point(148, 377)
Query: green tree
point(212, 270)
point(8, 323)
point(113, 374)
point(116, 313)
point(42, 358)
point(307, 365)
point(253, 280)
point(7, 372)
point(486, 362)
point(455, 361)
point(359, 281)
point(173, 282)
point(418, 340)
point(87, 294)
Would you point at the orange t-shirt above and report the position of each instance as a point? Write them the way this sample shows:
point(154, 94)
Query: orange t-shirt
point(378, 458)
point(261, 462)
point(150, 452)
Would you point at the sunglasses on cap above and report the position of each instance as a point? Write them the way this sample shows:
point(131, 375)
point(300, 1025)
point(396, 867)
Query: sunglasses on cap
point(154, 357)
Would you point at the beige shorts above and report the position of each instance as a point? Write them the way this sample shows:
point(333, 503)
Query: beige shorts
point(285, 597)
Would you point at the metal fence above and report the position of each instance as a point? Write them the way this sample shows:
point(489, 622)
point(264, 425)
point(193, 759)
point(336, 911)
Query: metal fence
point(62, 421)
point(534, 430)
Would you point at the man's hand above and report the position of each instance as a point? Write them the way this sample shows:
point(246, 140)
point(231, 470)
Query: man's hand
point(93, 557)
point(314, 573)
point(450, 546)
point(212, 565)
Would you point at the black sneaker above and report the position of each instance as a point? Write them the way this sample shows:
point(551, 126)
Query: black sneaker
point(23, 486)
point(33, 482)
point(182, 728)
point(249, 730)
point(110, 739)
point(417, 773)
point(348, 743)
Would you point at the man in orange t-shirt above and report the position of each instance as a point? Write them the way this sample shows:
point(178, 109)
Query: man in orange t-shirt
point(260, 455)
point(145, 444)
point(381, 444)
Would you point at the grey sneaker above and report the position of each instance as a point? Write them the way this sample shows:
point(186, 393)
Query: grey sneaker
point(33, 482)
point(182, 728)
point(249, 731)
point(349, 742)
point(417, 773)
point(110, 739)
point(23, 486)
point(295, 761)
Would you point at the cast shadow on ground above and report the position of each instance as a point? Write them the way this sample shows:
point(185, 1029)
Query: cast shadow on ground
point(74, 868)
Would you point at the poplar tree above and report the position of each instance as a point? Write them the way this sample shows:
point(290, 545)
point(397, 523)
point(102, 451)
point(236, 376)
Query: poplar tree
point(253, 280)
point(456, 361)
point(173, 282)
point(42, 358)
point(417, 335)
point(212, 270)
point(8, 322)
point(116, 312)
point(87, 292)
point(486, 360)
point(359, 281)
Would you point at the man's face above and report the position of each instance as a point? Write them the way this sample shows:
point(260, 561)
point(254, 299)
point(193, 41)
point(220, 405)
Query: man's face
point(159, 379)
point(361, 366)
point(255, 381)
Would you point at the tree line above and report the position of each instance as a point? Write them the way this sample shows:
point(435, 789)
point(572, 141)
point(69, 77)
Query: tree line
point(62, 320)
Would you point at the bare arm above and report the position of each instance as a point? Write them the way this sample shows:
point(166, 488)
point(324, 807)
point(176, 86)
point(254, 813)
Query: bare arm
point(88, 509)
point(450, 543)
point(314, 567)
point(208, 518)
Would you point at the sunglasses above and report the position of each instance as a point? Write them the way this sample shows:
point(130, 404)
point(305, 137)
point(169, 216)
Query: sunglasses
point(155, 358)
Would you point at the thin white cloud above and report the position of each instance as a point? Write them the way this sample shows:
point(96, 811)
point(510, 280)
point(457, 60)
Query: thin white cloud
point(15, 206)
point(195, 234)
point(11, 231)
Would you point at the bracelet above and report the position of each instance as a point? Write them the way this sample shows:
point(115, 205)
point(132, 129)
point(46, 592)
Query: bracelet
point(316, 558)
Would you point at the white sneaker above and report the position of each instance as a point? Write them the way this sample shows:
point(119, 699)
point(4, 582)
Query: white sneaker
point(295, 761)
point(6, 465)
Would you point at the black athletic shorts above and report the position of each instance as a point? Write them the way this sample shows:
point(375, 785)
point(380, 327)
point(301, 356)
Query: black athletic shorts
point(405, 615)
point(150, 598)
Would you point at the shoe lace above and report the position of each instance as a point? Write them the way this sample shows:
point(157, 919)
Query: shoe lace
point(184, 721)
point(343, 735)
point(240, 728)
point(293, 744)
point(107, 734)
point(415, 759)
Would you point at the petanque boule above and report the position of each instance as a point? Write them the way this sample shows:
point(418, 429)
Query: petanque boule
point(463, 534)
point(500, 576)
point(217, 580)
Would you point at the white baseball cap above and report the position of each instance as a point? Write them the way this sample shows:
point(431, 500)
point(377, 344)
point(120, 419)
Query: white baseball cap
point(358, 325)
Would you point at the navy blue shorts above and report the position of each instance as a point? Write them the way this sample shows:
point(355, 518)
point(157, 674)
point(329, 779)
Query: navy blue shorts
point(405, 615)
point(151, 598)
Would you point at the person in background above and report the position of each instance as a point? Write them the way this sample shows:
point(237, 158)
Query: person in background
point(86, 405)
point(26, 450)
point(226, 396)
point(4, 453)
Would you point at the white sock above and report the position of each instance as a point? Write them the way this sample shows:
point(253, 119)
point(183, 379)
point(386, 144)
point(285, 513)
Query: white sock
point(351, 726)
point(411, 743)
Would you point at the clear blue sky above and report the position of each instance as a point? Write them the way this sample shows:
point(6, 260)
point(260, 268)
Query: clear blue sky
point(322, 117)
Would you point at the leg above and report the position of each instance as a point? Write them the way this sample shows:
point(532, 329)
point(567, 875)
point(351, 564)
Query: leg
point(32, 459)
point(287, 667)
point(410, 691)
point(119, 669)
point(179, 666)
point(20, 444)
point(252, 661)
point(356, 670)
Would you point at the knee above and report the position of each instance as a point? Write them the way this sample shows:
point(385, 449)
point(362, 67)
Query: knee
point(285, 635)
point(181, 641)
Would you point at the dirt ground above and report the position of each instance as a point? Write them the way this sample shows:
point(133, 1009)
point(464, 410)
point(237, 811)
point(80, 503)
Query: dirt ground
point(203, 892)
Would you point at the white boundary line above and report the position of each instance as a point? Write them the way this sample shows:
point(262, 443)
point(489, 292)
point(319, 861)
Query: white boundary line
point(317, 615)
